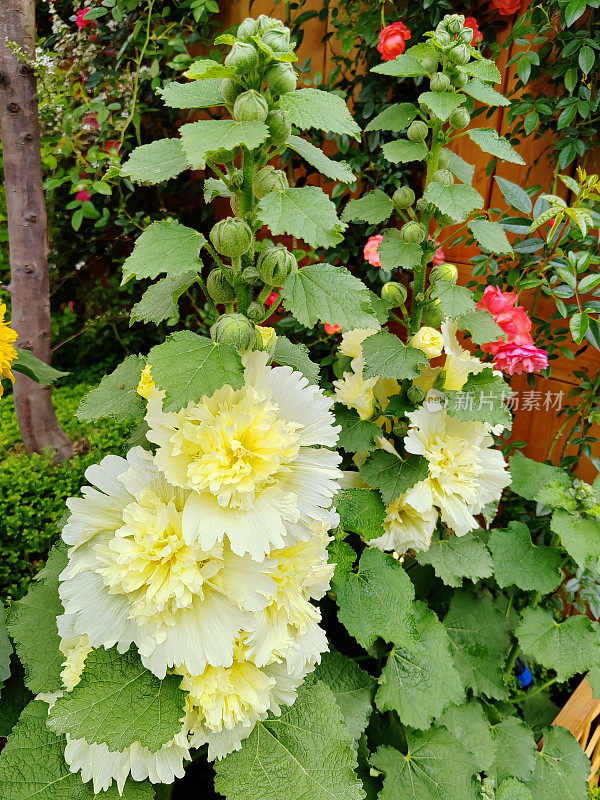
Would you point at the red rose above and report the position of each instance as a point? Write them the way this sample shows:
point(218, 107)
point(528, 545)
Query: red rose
point(332, 328)
point(81, 21)
point(471, 22)
point(507, 8)
point(392, 40)
point(83, 195)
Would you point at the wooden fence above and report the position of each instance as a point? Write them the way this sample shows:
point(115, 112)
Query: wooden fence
point(536, 419)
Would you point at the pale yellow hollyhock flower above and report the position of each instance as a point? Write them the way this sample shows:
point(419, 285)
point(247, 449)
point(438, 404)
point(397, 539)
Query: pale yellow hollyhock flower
point(146, 384)
point(459, 363)
point(353, 391)
point(406, 528)
point(8, 354)
point(429, 341)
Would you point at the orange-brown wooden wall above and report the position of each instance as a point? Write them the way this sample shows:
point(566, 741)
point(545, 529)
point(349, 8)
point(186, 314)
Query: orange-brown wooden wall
point(536, 426)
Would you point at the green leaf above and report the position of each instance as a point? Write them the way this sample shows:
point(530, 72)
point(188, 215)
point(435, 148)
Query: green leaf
point(195, 94)
point(321, 292)
point(336, 170)
point(305, 212)
point(402, 151)
point(490, 236)
point(32, 626)
point(33, 766)
point(480, 640)
point(159, 301)
point(580, 536)
point(361, 511)
point(205, 68)
point(15, 696)
point(165, 246)
point(391, 475)
point(5, 648)
point(586, 59)
point(567, 647)
point(35, 368)
point(294, 355)
point(519, 562)
point(373, 207)
point(313, 108)
point(395, 118)
point(215, 187)
point(489, 140)
point(118, 702)
point(394, 253)
point(481, 399)
point(357, 435)
point(482, 325)
point(484, 93)
point(419, 682)
point(403, 66)
point(442, 104)
point(460, 168)
point(305, 754)
point(155, 162)
point(116, 396)
point(515, 750)
point(514, 195)
point(529, 476)
point(456, 557)
point(207, 136)
point(436, 767)
point(561, 769)
point(352, 687)
point(484, 69)
point(512, 789)
point(376, 601)
point(470, 726)
point(457, 201)
point(188, 366)
point(455, 301)
point(388, 357)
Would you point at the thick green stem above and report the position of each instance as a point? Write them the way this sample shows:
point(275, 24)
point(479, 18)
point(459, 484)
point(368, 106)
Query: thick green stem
point(242, 291)
point(532, 692)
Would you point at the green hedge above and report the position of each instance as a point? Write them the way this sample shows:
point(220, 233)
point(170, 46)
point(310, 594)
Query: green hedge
point(33, 491)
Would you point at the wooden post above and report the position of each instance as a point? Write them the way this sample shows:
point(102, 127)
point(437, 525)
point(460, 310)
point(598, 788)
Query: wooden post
point(27, 226)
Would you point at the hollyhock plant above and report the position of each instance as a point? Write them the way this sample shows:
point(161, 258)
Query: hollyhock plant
point(370, 249)
point(392, 40)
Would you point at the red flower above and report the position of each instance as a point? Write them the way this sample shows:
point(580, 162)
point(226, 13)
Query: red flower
point(112, 145)
point(518, 358)
point(370, 249)
point(471, 22)
point(81, 21)
point(392, 40)
point(495, 301)
point(506, 8)
point(332, 328)
point(83, 195)
point(439, 256)
point(272, 298)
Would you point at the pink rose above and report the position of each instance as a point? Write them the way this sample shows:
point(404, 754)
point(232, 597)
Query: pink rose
point(471, 22)
point(83, 195)
point(515, 359)
point(392, 40)
point(506, 8)
point(495, 301)
point(81, 21)
point(370, 249)
point(332, 328)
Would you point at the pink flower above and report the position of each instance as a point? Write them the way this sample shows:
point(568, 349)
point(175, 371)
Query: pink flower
point(495, 301)
point(91, 121)
point(272, 298)
point(332, 328)
point(112, 144)
point(515, 359)
point(71, 305)
point(506, 8)
point(471, 22)
point(83, 195)
point(81, 21)
point(439, 256)
point(392, 40)
point(370, 249)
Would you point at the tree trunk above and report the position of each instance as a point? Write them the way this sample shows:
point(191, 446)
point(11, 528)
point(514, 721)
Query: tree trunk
point(27, 226)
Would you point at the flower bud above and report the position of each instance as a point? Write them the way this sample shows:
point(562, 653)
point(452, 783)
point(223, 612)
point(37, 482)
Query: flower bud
point(400, 428)
point(268, 179)
point(439, 82)
point(255, 312)
point(445, 272)
point(250, 106)
point(219, 288)
point(460, 54)
point(459, 118)
point(415, 394)
point(243, 56)
point(444, 158)
point(394, 293)
point(275, 264)
point(250, 275)
point(429, 341)
point(459, 79)
point(403, 198)
point(234, 330)
point(465, 36)
point(432, 314)
point(278, 39)
point(454, 23)
point(281, 78)
point(422, 204)
point(246, 29)
point(443, 176)
point(230, 90)
point(279, 127)
point(413, 232)
point(231, 237)
point(266, 339)
point(442, 36)
point(417, 131)
point(430, 63)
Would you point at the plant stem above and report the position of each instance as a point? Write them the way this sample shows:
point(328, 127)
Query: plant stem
point(512, 657)
point(525, 695)
point(136, 79)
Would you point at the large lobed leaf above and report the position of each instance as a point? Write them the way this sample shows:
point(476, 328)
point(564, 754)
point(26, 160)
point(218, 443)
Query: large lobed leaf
point(156, 162)
point(519, 562)
point(296, 355)
point(336, 170)
point(159, 301)
point(391, 475)
point(305, 212)
point(456, 557)
point(116, 396)
point(361, 511)
point(314, 108)
point(388, 357)
point(209, 136)
point(165, 246)
point(352, 687)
